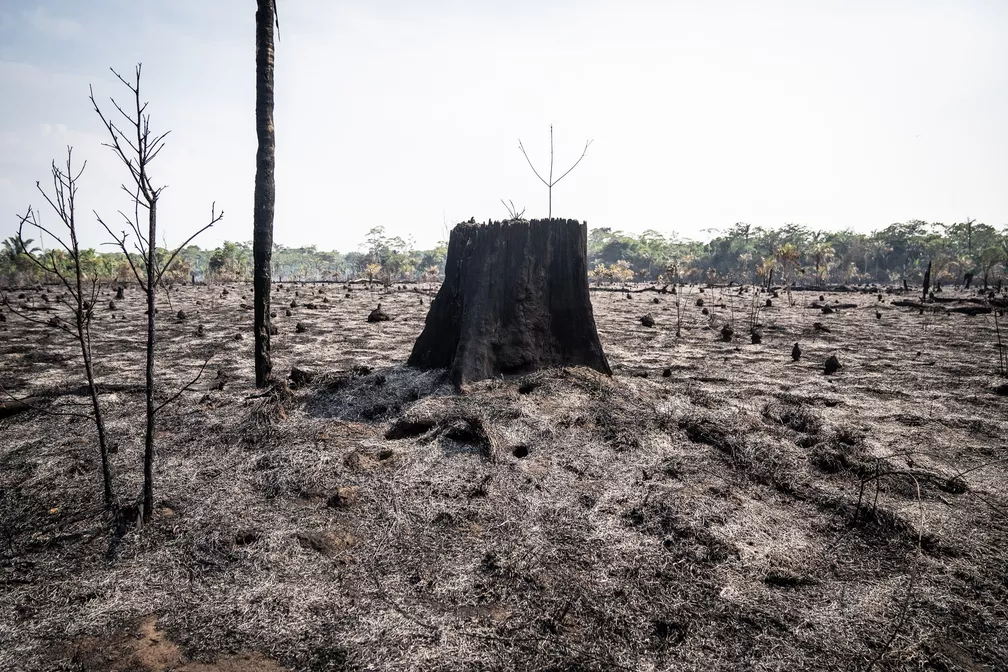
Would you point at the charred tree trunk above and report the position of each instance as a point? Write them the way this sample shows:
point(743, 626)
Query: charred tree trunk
point(83, 325)
point(514, 300)
point(151, 288)
point(927, 282)
point(265, 189)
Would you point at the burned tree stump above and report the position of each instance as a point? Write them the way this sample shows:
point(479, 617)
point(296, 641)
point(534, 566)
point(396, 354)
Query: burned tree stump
point(514, 300)
point(378, 315)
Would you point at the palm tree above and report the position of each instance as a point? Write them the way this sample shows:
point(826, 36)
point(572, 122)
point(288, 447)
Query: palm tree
point(765, 269)
point(823, 253)
point(13, 256)
point(265, 187)
point(14, 247)
point(787, 258)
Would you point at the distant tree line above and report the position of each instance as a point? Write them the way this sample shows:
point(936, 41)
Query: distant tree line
point(742, 254)
point(382, 259)
point(749, 254)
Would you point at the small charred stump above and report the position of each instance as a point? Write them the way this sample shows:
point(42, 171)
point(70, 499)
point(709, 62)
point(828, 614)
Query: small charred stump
point(514, 300)
point(119, 293)
point(756, 337)
point(795, 352)
point(647, 320)
point(300, 377)
point(727, 333)
point(378, 315)
point(832, 365)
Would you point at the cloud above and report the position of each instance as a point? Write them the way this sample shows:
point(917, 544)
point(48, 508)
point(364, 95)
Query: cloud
point(55, 26)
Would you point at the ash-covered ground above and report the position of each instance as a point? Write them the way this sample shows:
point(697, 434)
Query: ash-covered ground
point(714, 505)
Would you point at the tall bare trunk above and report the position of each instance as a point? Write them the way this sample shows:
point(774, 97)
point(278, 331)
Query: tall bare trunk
point(265, 189)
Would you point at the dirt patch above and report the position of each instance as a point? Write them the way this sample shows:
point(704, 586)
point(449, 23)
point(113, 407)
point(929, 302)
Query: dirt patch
point(148, 649)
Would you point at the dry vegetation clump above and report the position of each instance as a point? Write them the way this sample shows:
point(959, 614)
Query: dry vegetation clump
point(743, 512)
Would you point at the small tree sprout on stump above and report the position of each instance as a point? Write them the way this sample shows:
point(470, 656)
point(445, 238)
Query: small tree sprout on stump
point(514, 300)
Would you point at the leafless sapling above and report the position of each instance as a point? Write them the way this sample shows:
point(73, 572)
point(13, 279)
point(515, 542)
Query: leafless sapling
point(62, 262)
point(136, 147)
point(551, 182)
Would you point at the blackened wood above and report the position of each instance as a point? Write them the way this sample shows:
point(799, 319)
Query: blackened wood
point(515, 299)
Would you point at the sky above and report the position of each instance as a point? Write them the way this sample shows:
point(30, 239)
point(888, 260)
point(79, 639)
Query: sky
point(847, 114)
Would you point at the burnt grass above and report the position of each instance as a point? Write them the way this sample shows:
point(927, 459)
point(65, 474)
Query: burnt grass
point(741, 511)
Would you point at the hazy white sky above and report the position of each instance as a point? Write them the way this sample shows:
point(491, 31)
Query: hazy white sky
point(404, 114)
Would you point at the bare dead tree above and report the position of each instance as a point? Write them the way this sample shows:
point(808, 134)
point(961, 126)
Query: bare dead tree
point(137, 147)
point(551, 182)
point(83, 290)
